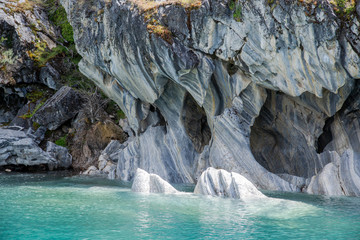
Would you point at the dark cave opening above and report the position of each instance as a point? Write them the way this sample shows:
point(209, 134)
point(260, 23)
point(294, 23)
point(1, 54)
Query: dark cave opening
point(326, 137)
point(278, 137)
point(195, 123)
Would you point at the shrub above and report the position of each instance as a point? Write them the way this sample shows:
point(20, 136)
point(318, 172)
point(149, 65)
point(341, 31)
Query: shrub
point(235, 6)
point(62, 141)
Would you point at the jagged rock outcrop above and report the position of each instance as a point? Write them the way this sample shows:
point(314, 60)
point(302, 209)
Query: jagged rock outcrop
point(150, 183)
point(16, 148)
point(221, 183)
point(11, 101)
point(25, 32)
point(61, 107)
point(105, 165)
point(211, 89)
point(61, 154)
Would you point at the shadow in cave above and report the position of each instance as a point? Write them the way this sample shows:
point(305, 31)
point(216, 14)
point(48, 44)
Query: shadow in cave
point(195, 123)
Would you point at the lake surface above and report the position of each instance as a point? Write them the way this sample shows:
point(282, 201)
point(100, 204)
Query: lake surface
point(52, 206)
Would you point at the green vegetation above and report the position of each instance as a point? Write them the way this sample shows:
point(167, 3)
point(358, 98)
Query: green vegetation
point(35, 96)
point(31, 114)
point(6, 56)
point(120, 115)
point(36, 126)
point(57, 15)
point(235, 6)
point(113, 109)
point(62, 141)
point(65, 54)
point(39, 97)
point(345, 9)
point(149, 8)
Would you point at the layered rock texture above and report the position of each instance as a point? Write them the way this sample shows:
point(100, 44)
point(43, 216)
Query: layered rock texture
point(150, 183)
point(20, 150)
point(225, 184)
point(268, 91)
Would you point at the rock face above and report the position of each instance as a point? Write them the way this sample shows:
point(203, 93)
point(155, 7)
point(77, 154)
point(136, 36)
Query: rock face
point(16, 148)
point(340, 177)
point(61, 154)
point(91, 139)
point(25, 32)
point(225, 184)
point(266, 97)
point(150, 183)
point(11, 101)
point(62, 106)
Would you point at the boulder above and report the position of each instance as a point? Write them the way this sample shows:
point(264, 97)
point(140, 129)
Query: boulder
point(225, 184)
point(16, 148)
point(61, 154)
point(92, 171)
point(61, 107)
point(150, 183)
point(106, 167)
point(49, 77)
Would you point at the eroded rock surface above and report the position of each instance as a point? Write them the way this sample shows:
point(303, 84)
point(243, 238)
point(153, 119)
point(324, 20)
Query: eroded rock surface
point(150, 183)
point(61, 154)
point(16, 148)
point(25, 32)
point(258, 96)
point(61, 107)
point(340, 177)
point(221, 183)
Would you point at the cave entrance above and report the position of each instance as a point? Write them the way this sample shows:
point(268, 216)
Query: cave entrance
point(195, 123)
point(282, 134)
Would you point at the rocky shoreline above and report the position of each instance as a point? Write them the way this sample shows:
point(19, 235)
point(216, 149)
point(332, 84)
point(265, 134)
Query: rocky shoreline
point(268, 90)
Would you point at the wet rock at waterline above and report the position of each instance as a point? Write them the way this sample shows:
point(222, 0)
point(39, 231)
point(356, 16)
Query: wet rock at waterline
point(61, 154)
point(16, 148)
point(266, 97)
point(20, 150)
point(340, 177)
point(221, 183)
point(150, 183)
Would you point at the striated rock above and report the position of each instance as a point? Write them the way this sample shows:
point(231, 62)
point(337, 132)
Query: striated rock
point(225, 184)
point(16, 148)
point(61, 154)
point(150, 183)
point(256, 96)
point(61, 107)
point(340, 177)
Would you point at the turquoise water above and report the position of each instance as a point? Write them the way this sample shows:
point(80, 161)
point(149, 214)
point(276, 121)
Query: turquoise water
point(51, 206)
